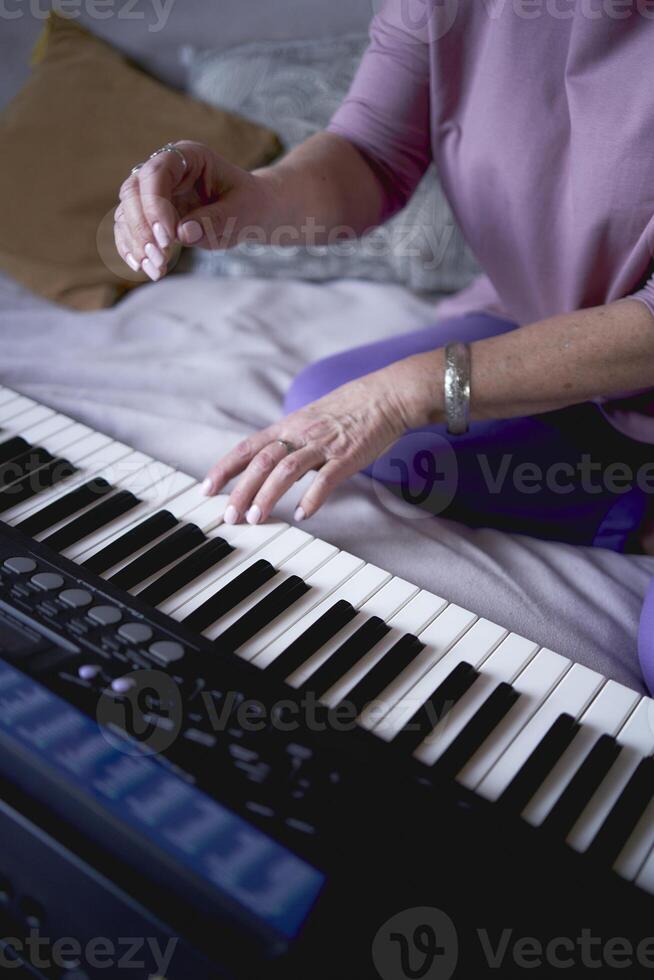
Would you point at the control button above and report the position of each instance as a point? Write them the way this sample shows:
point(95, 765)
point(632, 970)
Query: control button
point(20, 565)
point(47, 581)
point(136, 632)
point(121, 685)
point(33, 913)
point(105, 615)
point(88, 671)
point(167, 651)
point(76, 598)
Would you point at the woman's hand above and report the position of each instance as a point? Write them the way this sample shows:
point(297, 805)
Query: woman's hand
point(338, 435)
point(204, 205)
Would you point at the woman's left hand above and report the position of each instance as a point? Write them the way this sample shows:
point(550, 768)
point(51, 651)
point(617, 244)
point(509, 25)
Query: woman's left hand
point(338, 435)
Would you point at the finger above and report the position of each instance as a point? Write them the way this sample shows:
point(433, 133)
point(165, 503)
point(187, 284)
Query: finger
point(327, 479)
point(138, 231)
point(207, 227)
point(123, 246)
point(287, 472)
point(159, 178)
point(235, 461)
point(254, 476)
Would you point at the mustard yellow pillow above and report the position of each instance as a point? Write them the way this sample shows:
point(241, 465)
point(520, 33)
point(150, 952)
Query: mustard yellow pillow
point(69, 138)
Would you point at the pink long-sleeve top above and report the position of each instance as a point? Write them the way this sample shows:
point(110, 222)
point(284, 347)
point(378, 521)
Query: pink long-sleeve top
point(539, 115)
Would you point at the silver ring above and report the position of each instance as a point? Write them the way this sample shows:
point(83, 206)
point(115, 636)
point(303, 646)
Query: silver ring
point(288, 446)
point(171, 148)
point(136, 169)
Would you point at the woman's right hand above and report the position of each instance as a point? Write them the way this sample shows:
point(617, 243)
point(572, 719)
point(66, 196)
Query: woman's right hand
point(204, 205)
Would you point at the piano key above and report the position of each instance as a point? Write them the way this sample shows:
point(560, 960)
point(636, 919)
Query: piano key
point(312, 631)
point(542, 759)
point(37, 434)
point(230, 595)
point(436, 708)
point(584, 783)
point(534, 684)
point(605, 716)
point(447, 643)
point(65, 506)
point(494, 709)
point(572, 695)
point(618, 828)
point(173, 546)
point(304, 562)
point(267, 541)
point(324, 582)
point(189, 568)
point(263, 613)
point(371, 685)
point(7, 395)
point(136, 538)
point(19, 406)
point(347, 655)
point(12, 447)
point(49, 475)
point(22, 422)
point(91, 520)
point(636, 738)
point(463, 731)
point(30, 460)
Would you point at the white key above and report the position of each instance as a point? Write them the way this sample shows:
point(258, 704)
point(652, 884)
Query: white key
point(474, 646)
point(7, 395)
point(251, 543)
point(35, 434)
point(534, 683)
point(303, 562)
point(323, 584)
point(637, 737)
point(16, 407)
point(503, 665)
point(571, 696)
point(207, 515)
point(383, 600)
point(604, 716)
point(639, 844)
point(411, 617)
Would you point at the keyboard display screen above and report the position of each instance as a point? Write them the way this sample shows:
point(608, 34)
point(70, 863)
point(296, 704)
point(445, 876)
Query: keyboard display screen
point(245, 866)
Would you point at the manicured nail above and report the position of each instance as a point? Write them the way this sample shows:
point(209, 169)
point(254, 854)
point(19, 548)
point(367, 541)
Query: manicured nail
point(207, 486)
point(154, 254)
point(231, 515)
point(191, 231)
point(131, 261)
point(299, 515)
point(161, 235)
point(150, 270)
point(253, 516)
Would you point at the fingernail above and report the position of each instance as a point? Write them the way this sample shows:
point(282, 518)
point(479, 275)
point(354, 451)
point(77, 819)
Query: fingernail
point(150, 270)
point(207, 487)
point(253, 516)
point(191, 231)
point(299, 515)
point(161, 235)
point(231, 515)
point(154, 254)
point(131, 261)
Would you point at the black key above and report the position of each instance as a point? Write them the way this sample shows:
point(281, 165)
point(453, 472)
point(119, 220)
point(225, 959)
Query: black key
point(131, 541)
point(477, 730)
point(383, 673)
point(179, 543)
point(15, 469)
point(574, 798)
point(207, 556)
point(65, 506)
point(13, 447)
point(540, 763)
point(105, 512)
point(50, 475)
point(435, 707)
point(264, 613)
point(230, 595)
point(348, 654)
point(319, 633)
point(621, 821)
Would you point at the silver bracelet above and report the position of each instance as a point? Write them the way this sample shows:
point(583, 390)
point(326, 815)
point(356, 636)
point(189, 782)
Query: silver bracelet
point(457, 388)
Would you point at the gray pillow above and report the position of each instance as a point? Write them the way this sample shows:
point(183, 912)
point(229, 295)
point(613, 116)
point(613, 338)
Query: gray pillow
point(295, 87)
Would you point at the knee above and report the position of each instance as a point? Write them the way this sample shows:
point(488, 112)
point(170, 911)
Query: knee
point(316, 380)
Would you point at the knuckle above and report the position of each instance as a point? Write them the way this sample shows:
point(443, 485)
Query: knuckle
point(263, 462)
point(128, 189)
point(289, 467)
point(243, 450)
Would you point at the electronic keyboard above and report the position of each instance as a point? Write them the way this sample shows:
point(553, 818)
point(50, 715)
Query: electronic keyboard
point(247, 743)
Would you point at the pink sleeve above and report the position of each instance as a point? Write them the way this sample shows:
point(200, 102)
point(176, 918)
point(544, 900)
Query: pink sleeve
point(646, 295)
point(386, 113)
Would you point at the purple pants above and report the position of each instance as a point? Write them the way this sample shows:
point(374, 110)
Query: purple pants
point(549, 475)
point(489, 477)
